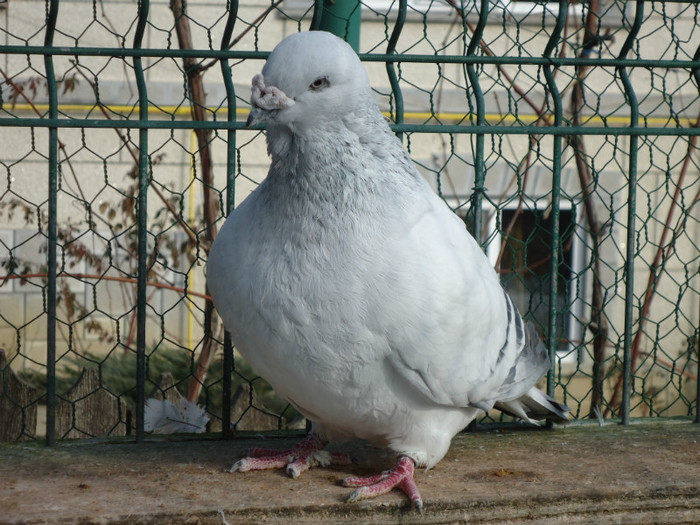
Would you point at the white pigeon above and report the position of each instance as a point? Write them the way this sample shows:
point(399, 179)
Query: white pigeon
point(351, 287)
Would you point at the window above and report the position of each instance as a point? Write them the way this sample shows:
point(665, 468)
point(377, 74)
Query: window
point(520, 251)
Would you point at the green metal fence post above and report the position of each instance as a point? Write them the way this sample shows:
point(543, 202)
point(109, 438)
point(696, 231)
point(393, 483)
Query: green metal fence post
point(479, 167)
point(631, 97)
point(555, 242)
point(316, 17)
point(230, 202)
point(696, 75)
point(340, 17)
point(697, 370)
point(52, 265)
point(391, 67)
point(143, 8)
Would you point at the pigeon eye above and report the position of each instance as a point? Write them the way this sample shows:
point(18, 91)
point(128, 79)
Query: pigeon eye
point(319, 83)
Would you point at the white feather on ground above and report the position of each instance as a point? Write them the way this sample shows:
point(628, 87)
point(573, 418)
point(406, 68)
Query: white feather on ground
point(163, 417)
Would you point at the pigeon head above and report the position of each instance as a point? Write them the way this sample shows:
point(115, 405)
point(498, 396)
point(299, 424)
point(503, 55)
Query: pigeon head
point(308, 78)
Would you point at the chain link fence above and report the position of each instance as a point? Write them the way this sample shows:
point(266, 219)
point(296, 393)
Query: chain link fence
point(564, 133)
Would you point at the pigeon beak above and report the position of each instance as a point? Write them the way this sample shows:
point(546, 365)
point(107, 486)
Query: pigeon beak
point(258, 115)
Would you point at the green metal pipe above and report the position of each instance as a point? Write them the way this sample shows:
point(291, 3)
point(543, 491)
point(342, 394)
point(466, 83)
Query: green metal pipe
point(697, 382)
point(342, 18)
point(555, 61)
point(696, 75)
point(52, 263)
point(555, 241)
point(479, 167)
point(316, 18)
point(391, 68)
point(405, 128)
point(631, 97)
point(142, 218)
point(230, 201)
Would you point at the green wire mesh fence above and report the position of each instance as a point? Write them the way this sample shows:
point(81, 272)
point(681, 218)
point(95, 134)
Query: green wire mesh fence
point(564, 133)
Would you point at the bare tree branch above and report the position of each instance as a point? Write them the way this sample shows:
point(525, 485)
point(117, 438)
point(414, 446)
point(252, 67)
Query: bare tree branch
point(210, 206)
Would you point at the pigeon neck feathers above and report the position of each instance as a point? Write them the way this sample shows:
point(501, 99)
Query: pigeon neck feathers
point(359, 134)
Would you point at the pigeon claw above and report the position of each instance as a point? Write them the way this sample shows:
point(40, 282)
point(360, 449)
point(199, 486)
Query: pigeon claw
point(295, 468)
point(300, 458)
point(401, 477)
point(237, 466)
point(259, 463)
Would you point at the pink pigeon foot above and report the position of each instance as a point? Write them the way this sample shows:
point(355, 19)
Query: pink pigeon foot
point(301, 457)
point(400, 476)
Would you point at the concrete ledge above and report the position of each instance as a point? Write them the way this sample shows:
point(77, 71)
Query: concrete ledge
point(644, 473)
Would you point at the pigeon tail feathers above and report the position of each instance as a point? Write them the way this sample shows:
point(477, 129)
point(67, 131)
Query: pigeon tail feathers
point(535, 405)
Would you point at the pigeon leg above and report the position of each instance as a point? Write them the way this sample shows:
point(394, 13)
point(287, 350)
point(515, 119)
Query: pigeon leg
point(301, 457)
point(400, 476)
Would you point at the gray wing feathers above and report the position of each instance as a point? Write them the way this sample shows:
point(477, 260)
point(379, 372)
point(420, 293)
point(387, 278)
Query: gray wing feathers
point(531, 361)
point(517, 396)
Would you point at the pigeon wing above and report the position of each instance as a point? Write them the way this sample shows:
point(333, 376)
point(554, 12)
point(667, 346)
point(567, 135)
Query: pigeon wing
point(455, 338)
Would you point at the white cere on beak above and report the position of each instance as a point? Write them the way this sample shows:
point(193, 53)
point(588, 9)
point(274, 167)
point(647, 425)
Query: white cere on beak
point(268, 97)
